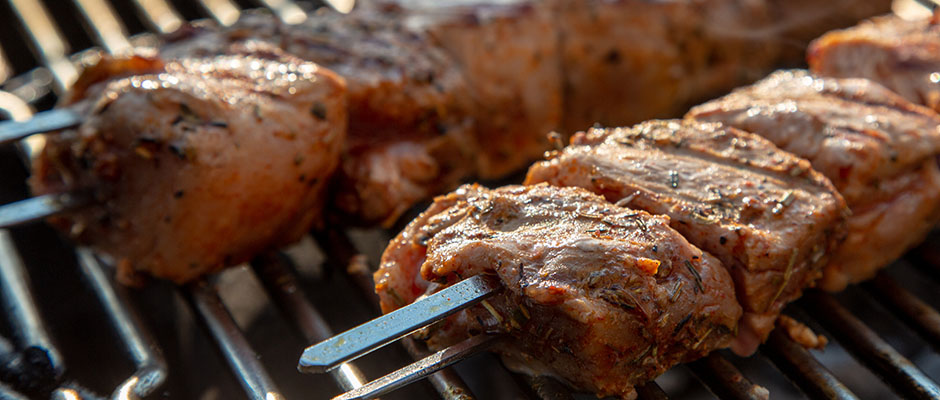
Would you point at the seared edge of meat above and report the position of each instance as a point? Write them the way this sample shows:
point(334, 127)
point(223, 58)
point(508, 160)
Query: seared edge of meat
point(766, 214)
point(410, 108)
point(602, 296)
point(201, 165)
point(876, 147)
point(902, 55)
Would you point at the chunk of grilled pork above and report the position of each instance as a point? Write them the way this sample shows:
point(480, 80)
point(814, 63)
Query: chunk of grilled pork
point(877, 148)
point(765, 213)
point(198, 164)
point(599, 295)
point(902, 55)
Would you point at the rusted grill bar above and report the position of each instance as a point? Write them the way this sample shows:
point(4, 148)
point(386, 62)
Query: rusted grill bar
point(913, 311)
point(866, 346)
point(803, 369)
point(724, 380)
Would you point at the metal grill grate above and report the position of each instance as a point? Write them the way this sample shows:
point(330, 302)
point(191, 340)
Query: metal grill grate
point(30, 78)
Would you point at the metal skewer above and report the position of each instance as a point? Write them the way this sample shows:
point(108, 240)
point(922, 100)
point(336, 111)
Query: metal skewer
point(45, 121)
point(374, 334)
point(420, 369)
point(39, 207)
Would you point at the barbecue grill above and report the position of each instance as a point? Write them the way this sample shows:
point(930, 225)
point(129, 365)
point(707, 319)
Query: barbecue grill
point(172, 342)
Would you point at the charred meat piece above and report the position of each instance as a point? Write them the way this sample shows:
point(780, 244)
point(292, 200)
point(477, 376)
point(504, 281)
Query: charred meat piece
point(902, 55)
point(766, 214)
point(602, 296)
point(877, 148)
point(403, 93)
point(200, 165)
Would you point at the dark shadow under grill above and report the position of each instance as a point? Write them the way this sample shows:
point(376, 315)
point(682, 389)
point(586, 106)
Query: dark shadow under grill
point(241, 332)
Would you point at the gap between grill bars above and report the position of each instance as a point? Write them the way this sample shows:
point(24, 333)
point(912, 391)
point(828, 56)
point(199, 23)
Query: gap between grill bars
point(58, 71)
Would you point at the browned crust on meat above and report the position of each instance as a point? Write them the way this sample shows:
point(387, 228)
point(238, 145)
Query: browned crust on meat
point(765, 213)
point(592, 289)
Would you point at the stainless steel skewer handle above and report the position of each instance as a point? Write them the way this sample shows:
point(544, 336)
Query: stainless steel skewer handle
point(378, 332)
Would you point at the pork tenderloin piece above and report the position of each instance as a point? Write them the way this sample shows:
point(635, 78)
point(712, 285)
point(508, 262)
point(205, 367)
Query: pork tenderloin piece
point(508, 52)
point(877, 148)
point(902, 55)
point(599, 295)
point(766, 214)
point(199, 165)
point(410, 108)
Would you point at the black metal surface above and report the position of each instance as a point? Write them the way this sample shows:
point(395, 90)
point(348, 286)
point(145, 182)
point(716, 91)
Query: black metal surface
point(803, 369)
point(724, 380)
point(913, 311)
point(870, 349)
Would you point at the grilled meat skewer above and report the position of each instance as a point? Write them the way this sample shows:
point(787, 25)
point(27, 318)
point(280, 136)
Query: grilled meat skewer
point(183, 156)
point(765, 213)
point(904, 56)
point(877, 148)
point(603, 296)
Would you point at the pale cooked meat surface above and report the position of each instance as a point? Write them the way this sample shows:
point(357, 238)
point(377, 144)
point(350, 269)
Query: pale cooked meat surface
point(797, 22)
point(626, 61)
point(201, 165)
point(769, 217)
point(876, 147)
point(602, 296)
point(508, 52)
point(402, 92)
point(902, 55)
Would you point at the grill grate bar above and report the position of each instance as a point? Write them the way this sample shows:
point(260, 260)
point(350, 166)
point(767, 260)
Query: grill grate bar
point(651, 391)
point(159, 15)
point(342, 255)
point(286, 10)
point(20, 306)
point(421, 369)
point(281, 285)
point(105, 25)
point(724, 380)
point(258, 385)
point(5, 70)
point(913, 311)
point(151, 368)
point(867, 347)
point(225, 12)
point(47, 41)
point(803, 369)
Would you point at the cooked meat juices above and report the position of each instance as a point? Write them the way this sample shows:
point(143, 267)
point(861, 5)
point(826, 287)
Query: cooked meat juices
point(877, 148)
point(599, 295)
point(902, 55)
point(201, 164)
point(766, 214)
